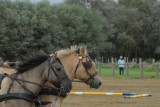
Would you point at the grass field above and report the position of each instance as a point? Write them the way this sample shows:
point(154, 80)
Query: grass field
point(134, 72)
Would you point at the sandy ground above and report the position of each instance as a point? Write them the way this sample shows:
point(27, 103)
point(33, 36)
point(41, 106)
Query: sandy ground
point(138, 86)
point(122, 85)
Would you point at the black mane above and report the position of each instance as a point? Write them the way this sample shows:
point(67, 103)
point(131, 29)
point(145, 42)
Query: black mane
point(31, 63)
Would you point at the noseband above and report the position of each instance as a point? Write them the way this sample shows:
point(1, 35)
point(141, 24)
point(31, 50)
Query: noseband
point(87, 65)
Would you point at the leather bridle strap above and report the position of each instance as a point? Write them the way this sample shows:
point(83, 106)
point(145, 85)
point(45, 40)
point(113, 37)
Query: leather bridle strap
point(76, 68)
point(53, 69)
point(90, 79)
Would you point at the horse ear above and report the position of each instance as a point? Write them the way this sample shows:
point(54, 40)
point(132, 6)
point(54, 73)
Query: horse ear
point(78, 51)
point(83, 50)
point(54, 57)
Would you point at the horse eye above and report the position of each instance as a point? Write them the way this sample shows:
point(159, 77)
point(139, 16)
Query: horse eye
point(58, 68)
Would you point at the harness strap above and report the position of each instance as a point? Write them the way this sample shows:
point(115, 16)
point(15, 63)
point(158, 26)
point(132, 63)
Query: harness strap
point(52, 91)
point(14, 78)
point(24, 96)
point(10, 86)
point(44, 102)
point(2, 77)
point(24, 87)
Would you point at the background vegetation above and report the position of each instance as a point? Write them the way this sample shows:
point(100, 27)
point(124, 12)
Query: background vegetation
point(130, 28)
point(134, 72)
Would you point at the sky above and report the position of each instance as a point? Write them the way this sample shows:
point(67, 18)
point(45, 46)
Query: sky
point(54, 1)
point(51, 1)
point(59, 1)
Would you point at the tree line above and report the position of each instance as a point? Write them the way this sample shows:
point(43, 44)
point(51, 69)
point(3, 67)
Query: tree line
point(130, 28)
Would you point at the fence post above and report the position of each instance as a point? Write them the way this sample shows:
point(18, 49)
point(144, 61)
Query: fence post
point(16, 64)
point(102, 60)
point(141, 66)
point(153, 61)
point(95, 61)
point(113, 69)
point(115, 60)
point(108, 61)
point(99, 68)
point(157, 70)
point(127, 67)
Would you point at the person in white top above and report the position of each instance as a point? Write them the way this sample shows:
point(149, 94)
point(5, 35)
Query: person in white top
point(121, 65)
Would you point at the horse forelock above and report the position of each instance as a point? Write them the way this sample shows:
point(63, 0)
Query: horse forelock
point(31, 63)
point(64, 52)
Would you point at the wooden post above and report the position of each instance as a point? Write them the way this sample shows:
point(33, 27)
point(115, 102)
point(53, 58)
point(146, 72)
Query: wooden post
point(127, 67)
point(99, 68)
point(16, 64)
point(108, 61)
point(95, 61)
point(141, 66)
point(102, 59)
point(136, 62)
point(157, 70)
point(153, 61)
point(113, 69)
point(133, 61)
point(116, 60)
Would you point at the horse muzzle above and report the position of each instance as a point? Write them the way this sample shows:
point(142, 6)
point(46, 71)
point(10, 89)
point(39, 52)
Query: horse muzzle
point(66, 88)
point(96, 83)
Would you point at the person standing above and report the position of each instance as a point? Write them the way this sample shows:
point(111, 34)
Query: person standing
point(121, 65)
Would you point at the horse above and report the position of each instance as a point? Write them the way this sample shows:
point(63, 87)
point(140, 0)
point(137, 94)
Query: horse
point(22, 88)
point(78, 65)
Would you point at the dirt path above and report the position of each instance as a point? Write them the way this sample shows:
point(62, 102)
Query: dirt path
point(139, 86)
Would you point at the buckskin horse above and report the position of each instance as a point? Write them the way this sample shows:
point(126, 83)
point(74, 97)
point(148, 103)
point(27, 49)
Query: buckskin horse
point(78, 65)
point(21, 89)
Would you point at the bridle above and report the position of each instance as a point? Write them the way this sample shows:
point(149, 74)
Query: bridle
point(87, 65)
point(59, 82)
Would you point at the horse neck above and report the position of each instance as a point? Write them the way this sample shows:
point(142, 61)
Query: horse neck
point(37, 75)
point(70, 62)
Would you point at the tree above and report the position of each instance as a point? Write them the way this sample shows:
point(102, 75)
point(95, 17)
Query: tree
point(77, 25)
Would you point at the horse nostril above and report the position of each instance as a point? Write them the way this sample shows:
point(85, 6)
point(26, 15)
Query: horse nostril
point(100, 83)
point(69, 87)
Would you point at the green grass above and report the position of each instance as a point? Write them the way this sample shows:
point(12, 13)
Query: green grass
point(134, 72)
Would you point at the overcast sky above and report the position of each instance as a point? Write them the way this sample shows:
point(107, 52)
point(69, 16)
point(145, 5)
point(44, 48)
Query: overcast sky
point(51, 1)
point(59, 1)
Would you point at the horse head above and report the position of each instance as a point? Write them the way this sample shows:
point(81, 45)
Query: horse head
point(86, 69)
point(63, 82)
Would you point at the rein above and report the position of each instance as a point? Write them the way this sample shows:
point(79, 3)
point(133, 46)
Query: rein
point(25, 81)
